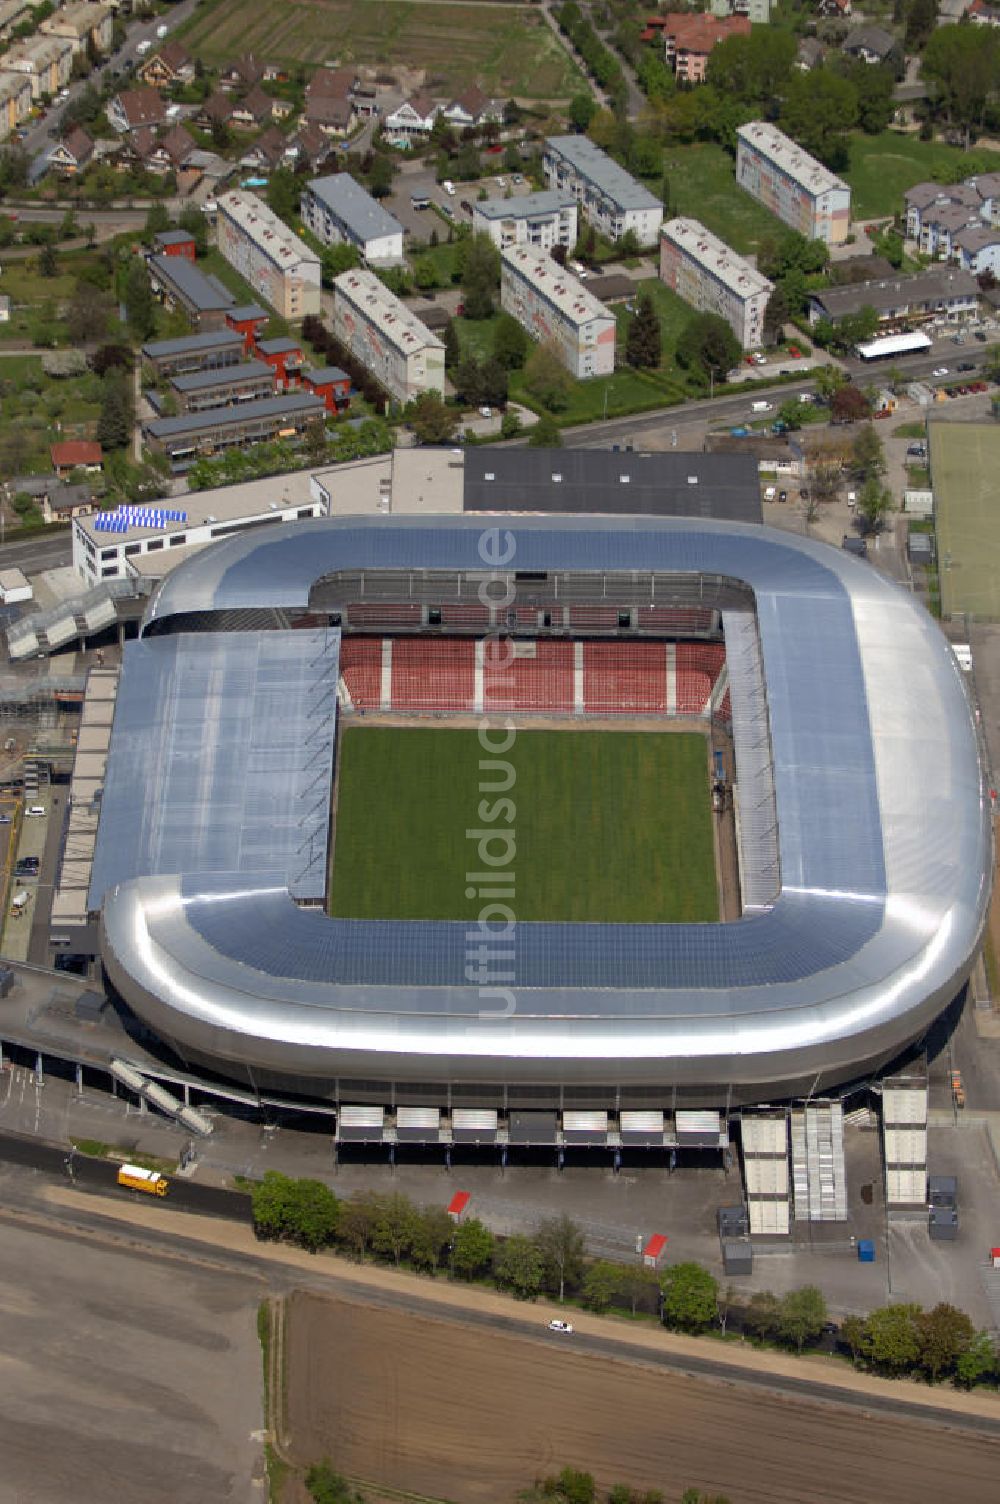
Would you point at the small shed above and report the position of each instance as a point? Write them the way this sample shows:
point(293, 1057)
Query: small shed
point(995, 1257)
point(733, 1222)
point(655, 1250)
point(942, 1224)
point(737, 1256)
point(866, 1251)
point(942, 1190)
point(920, 547)
point(459, 1205)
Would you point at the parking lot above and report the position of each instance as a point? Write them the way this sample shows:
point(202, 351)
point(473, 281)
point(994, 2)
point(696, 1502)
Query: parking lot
point(417, 179)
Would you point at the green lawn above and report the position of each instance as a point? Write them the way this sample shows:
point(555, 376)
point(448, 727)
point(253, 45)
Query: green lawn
point(612, 826)
point(703, 186)
point(508, 49)
point(883, 167)
point(964, 461)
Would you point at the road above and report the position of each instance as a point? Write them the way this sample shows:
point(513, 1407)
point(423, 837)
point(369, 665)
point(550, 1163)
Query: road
point(33, 555)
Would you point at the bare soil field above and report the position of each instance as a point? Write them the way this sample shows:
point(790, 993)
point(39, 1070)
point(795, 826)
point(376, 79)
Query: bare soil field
point(458, 1412)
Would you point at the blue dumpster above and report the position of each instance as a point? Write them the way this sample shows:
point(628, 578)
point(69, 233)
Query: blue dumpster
point(866, 1251)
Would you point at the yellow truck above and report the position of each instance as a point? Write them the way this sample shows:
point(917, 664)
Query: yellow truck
point(135, 1178)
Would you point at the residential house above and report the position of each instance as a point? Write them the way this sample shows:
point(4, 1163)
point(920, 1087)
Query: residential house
point(76, 454)
point(473, 108)
point(689, 40)
point(781, 175)
point(810, 54)
point(134, 108)
point(216, 110)
point(414, 118)
point(869, 43)
point(711, 277)
point(15, 102)
point(60, 503)
point(284, 356)
point(380, 331)
point(976, 249)
point(252, 111)
point(942, 292)
point(46, 61)
point(270, 150)
point(200, 297)
point(247, 321)
point(981, 13)
point(168, 153)
point(987, 186)
point(281, 109)
point(135, 149)
point(311, 146)
point(168, 65)
point(242, 74)
point(542, 219)
point(333, 114)
point(83, 25)
point(926, 202)
point(940, 226)
point(333, 82)
point(73, 154)
point(835, 9)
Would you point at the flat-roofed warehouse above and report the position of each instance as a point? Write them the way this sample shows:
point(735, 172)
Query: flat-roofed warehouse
point(723, 486)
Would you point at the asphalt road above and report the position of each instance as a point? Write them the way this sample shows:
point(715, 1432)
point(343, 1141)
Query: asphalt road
point(20, 1204)
point(100, 1177)
point(32, 555)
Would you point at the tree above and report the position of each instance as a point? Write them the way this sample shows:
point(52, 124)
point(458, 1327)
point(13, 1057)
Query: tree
point(848, 405)
point(192, 221)
point(380, 175)
point(802, 1314)
point(395, 1225)
point(480, 276)
point(961, 64)
point(708, 344)
point(518, 1267)
point(547, 378)
point(571, 1487)
point(114, 425)
point(560, 1243)
point(867, 454)
point(110, 356)
point(48, 261)
point(891, 1339)
point(545, 434)
point(472, 1248)
point(88, 314)
point(358, 1215)
point(944, 1334)
point(643, 347)
point(601, 1283)
point(468, 379)
point(921, 23)
point(819, 108)
point(776, 315)
point(337, 259)
point(157, 220)
point(452, 346)
point(295, 1211)
point(638, 1283)
point(510, 343)
point(431, 421)
point(432, 1234)
point(510, 425)
point(327, 1487)
point(791, 413)
point(283, 193)
point(315, 440)
point(978, 1361)
point(140, 308)
point(828, 379)
point(582, 109)
point(690, 1297)
point(873, 503)
point(761, 1315)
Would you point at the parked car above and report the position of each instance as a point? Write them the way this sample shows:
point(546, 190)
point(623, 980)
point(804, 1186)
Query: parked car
point(980, 336)
point(940, 371)
point(916, 451)
point(36, 809)
point(466, 206)
point(966, 365)
point(560, 1326)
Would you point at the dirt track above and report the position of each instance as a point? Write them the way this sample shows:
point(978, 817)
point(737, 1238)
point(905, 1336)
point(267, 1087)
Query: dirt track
point(456, 1412)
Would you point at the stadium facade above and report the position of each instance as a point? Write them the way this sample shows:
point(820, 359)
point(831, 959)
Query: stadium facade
point(865, 832)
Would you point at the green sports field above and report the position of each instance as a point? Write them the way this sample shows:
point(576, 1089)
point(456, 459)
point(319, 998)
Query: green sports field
point(613, 826)
point(965, 461)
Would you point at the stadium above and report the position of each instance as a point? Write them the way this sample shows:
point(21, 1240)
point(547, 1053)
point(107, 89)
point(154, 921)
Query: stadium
point(514, 815)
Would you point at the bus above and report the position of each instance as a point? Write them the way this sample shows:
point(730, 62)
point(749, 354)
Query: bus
point(892, 345)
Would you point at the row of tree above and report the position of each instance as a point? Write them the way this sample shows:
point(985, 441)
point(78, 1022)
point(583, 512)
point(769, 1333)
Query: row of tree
point(601, 63)
point(345, 441)
point(332, 352)
point(569, 1486)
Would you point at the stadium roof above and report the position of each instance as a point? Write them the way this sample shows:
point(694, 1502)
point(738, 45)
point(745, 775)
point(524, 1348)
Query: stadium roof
point(883, 833)
point(668, 484)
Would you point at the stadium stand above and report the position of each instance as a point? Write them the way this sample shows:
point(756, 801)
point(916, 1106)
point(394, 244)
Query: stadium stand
point(679, 620)
point(361, 670)
point(698, 664)
point(538, 677)
point(624, 676)
point(429, 675)
point(603, 617)
point(384, 615)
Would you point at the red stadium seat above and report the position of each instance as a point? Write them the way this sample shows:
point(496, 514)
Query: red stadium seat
point(361, 670)
point(542, 679)
point(433, 673)
point(623, 677)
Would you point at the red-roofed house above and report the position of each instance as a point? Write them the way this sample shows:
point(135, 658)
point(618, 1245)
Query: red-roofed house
point(655, 1250)
point(689, 40)
point(136, 107)
point(76, 454)
point(980, 13)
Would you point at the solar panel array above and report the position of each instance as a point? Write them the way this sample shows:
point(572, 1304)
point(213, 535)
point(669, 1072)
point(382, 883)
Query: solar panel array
point(221, 759)
point(123, 518)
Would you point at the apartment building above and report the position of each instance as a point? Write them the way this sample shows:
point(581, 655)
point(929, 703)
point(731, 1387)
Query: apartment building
point(272, 258)
point(339, 211)
point(542, 220)
point(82, 23)
point(46, 61)
point(708, 274)
point(940, 292)
point(15, 102)
point(776, 171)
point(689, 39)
point(555, 307)
point(610, 198)
point(380, 331)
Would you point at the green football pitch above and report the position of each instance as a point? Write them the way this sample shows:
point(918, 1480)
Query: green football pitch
point(613, 826)
point(965, 459)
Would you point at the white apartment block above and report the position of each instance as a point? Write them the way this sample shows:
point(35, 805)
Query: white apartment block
point(46, 61)
point(610, 198)
point(555, 308)
point(383, 334)
point(705, 272)
point(339, 211)
point(539, 219)
point(272, 258)
point(776, 171)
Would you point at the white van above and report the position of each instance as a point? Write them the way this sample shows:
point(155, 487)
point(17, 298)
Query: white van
point(161, 31)
point(760, 407)
point(20, 901)
point(449, 188)
point(770, 493)
point(144, 47)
